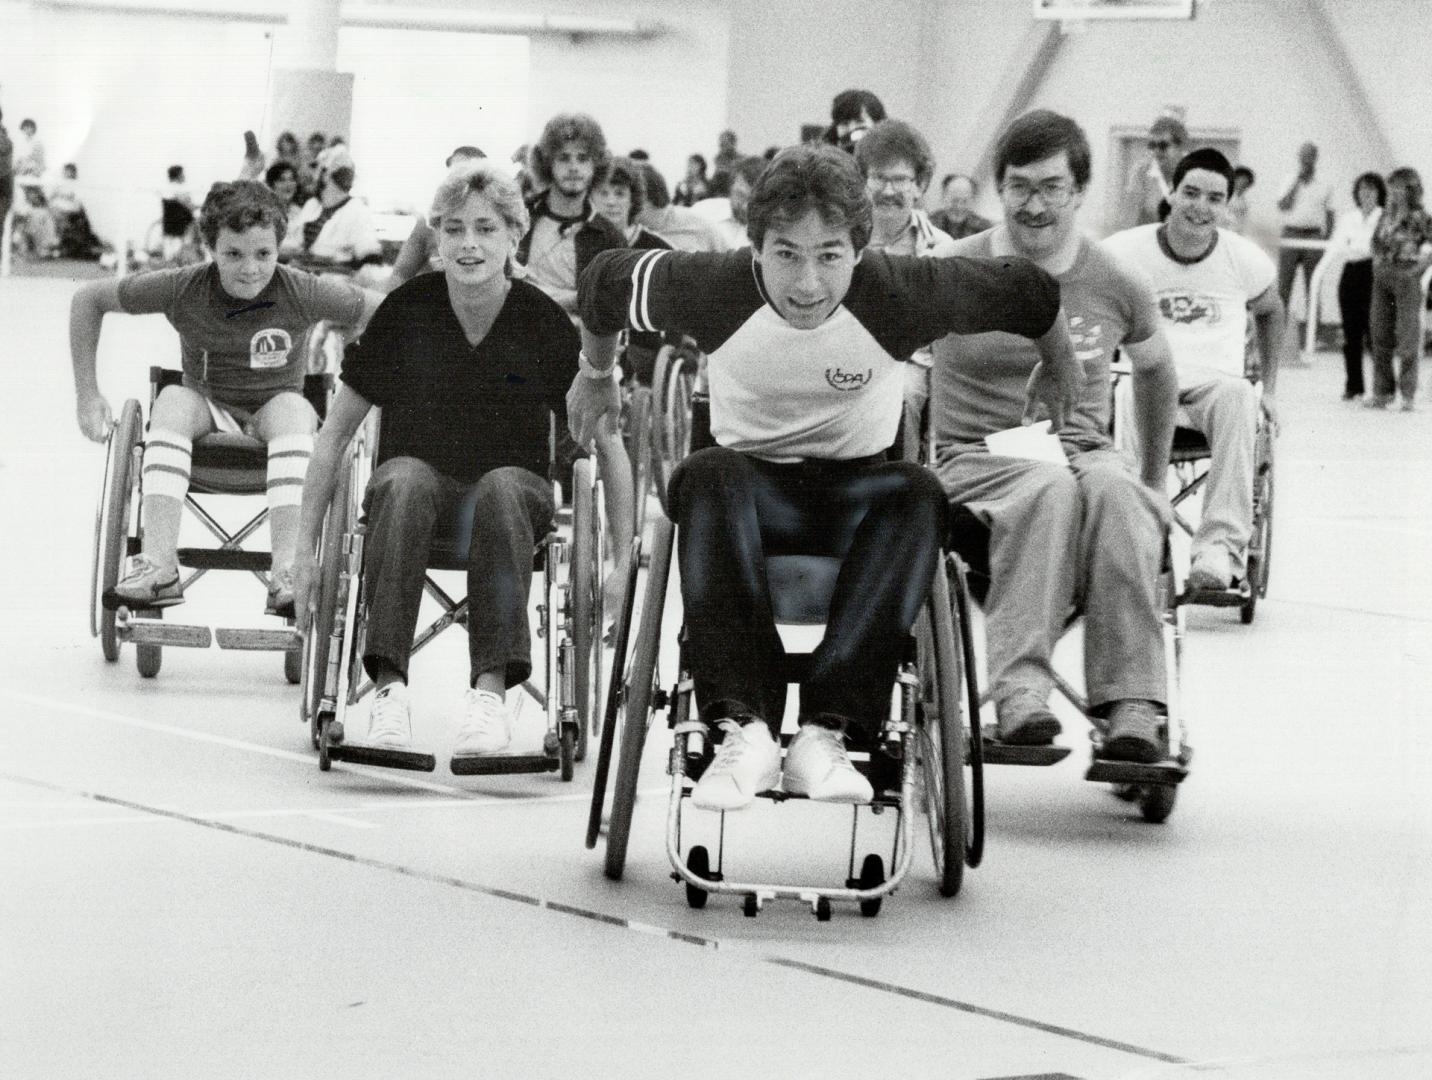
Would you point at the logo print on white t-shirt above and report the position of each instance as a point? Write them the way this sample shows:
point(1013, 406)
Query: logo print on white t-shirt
point(848, 380)
point(269, 349)
point(1185, 308)
point(1088, 340)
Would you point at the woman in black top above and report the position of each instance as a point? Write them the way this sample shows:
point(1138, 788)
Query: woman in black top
point(467, 366)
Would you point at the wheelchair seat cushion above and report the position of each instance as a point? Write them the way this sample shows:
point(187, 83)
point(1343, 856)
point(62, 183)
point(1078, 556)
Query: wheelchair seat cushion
point(230, 464)
point(1189, 445)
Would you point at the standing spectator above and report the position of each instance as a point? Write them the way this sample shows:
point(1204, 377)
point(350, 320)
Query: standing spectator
point(1243, 179)
point(282, 179)
point(957, 217)
point(692, 188)
point(1306, 206)
point(726, 153)
point(7, 173)
point(852, 114)
point(1401, 254)
point(1352, 243)
point(285, 148)
point(680, 226)
point(1146, 190)
point(29, 155)
point(176, 215)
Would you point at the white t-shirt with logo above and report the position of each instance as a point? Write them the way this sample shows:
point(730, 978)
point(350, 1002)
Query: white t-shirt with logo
point(1203, 304)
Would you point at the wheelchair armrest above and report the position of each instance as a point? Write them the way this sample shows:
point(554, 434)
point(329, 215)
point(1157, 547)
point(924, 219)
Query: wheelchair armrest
point(160, 377)
point(318, 389)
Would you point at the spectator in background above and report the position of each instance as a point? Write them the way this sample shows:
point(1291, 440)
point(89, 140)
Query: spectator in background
point(308, 174)
point(1401, 254)
point(176, 215)
point(286, 149)
point(852, 114)
point(254, 160)
point(728, 215)
point(1306, 206)
point(1237, 210)
point(337, 155)
point(1352, 243)
point(522, 162)
point(76, 237)
point(639, 155)
point(29, 155)
point(35, 224)
point(692, 188)
point(957, 217)
point(7, 172)
point(282, 179)
point(338, 229)
point(726, 153)
point(1146, 190)
point(619, 198)
point(679, 226)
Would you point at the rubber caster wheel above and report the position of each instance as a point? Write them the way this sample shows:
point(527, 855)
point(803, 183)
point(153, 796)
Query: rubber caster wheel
point(750, 908)
point(822, 909)
point(698, 861)
point(293, 666)
point(148, 658)
point(1128, 792)
point(1156, 803)
point(872, 875)
point(567, 751)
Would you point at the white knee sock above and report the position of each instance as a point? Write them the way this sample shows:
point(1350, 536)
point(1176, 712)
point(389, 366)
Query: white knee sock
point(167, 459)
point(287, 466)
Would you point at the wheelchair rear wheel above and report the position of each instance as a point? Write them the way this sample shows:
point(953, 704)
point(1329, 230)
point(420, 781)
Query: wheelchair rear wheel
point(112, 522)
point(639, 691)
point(318, 642)
point(586, 592)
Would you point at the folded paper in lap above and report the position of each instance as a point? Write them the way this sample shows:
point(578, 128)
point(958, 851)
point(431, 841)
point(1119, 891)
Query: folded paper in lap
point(1032, 441)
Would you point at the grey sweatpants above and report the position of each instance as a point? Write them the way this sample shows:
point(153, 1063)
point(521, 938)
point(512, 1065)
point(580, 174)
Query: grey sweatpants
point(1089, 535)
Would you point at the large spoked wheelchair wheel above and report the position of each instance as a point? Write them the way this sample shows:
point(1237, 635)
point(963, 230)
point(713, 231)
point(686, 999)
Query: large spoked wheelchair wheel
point(113, 519)
point(1260, 545)
point(639, 691)
point(638, 443)
point(317, 644)
point(615, 695)
point(673, 384)
point(948, 744)
point(586, 601)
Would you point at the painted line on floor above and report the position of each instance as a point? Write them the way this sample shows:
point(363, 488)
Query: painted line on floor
point(602, 918)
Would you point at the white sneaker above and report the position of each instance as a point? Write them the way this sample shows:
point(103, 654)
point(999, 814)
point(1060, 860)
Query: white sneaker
point(818, 767)
point(747, 762)
point(1212, 570)
point(486, 728)
point(389, 723)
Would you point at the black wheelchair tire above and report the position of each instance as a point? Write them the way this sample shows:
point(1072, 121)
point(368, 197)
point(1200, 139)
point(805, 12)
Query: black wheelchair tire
point(943, 738)
point(148, 658)
point(607, 737)
point(330, 565)
point(1156, 802)
point(640, 685)
point(112, 522)
point(586, 607)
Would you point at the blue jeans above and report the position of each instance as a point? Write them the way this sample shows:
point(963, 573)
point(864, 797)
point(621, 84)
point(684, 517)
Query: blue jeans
point(1396, 328)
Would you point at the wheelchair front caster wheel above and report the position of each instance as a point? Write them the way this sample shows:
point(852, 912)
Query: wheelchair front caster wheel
point(751, 907)
point(822, 909)
point(1156, 802)
point(699, 863)
point(872, 875)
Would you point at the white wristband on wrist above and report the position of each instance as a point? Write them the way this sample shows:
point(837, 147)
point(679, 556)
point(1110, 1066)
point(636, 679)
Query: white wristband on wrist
point(584, 364)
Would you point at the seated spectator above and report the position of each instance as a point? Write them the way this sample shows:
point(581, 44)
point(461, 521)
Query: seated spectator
point(679, 226)
point(728, 215)
point(957, 217)
point(852, 114)
point(338, 229)
point(35, 228)
point(1243, 179)
point(176, 216)
point(282, 179)
point(692, 188)
point(77, 238)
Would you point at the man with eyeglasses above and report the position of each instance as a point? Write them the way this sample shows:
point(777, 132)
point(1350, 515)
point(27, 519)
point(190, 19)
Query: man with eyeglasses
point(1078, 527)
point(1208, 281)
point(1147, 189)
point(896, 162)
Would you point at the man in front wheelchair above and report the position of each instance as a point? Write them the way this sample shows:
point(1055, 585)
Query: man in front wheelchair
point(242, 321)
point(468, 366)
point(1208, 281)
point(806, 332)
point(1079, 529)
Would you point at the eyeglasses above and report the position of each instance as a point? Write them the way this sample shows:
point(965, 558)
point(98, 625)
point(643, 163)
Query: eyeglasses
point(899, 182)
point(1053, 193)
point(1158, 145)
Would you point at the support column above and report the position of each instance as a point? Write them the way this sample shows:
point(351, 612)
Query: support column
point(308, 94)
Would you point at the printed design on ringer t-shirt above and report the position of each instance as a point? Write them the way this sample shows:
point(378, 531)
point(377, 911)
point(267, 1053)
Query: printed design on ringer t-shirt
point(269, 348)
point(1185, 308)
point(1088, 340)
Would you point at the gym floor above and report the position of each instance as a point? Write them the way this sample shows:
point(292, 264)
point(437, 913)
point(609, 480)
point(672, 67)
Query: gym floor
point(188, 896)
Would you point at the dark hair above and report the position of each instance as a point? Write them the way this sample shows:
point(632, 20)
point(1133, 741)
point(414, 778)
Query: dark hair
point(174, 172)
point(1041, 134)
point(700, 160)
point(468, 153)
point(1374, 181)
point(343, 176)
point(286, 138)
point(319, 136)
point(639, 155)
point(70, 167)
point(1206, 158)
point(625, 172)
point(719, 186)
point(749, 169)
point(27, 122)
point(1248, 174)
point(1173, 127)
point(658, 195)
point(275, 172)
point(1410, 179)
point(241, 205)
point(895, 140)
point(805, 178)
point(565, 128)
point(849, 104)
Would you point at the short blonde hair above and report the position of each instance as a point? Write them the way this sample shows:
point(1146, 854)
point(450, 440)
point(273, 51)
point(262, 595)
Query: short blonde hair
point(481, 177)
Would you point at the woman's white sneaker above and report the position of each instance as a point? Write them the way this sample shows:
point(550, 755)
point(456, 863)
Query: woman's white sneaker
point(486, 728)
point(818, 767)
point(747, 762)
point(390, 723)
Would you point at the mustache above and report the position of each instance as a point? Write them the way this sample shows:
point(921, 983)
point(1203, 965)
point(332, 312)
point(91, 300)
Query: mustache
point(890, 200)
point(1034, 221)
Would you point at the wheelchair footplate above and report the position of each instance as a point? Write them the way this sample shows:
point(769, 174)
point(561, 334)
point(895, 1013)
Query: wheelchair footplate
point(1235, 596)
point(145, 626)
point(383, 757)
point(1002, 753)
point(502, 764)
point(1169, 771)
